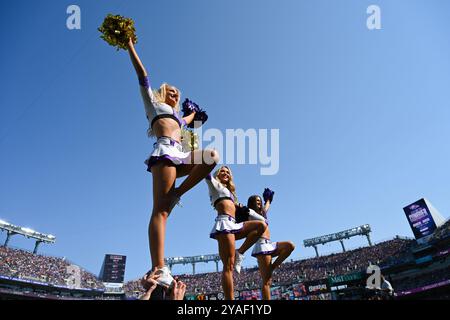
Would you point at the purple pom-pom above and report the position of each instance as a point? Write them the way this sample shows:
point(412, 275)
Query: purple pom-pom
point(268, 195)
point(200, 116)
point(188, 107)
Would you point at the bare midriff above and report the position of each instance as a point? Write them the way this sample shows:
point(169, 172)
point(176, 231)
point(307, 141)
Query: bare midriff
point(167, 127)
point(226, 206)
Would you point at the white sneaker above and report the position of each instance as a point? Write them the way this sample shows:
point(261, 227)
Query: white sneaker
point(238, 258)
point(165, 278)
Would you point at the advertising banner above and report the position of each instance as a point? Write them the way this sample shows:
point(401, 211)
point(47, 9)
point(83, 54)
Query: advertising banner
point(317, 286)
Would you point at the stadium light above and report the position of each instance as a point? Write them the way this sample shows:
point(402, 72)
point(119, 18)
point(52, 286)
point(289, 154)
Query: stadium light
point(363, 230)
point(193, 260)
point(26, 232)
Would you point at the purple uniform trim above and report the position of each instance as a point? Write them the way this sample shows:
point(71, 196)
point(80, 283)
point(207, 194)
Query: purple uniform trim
point(153, 160)
point(214, 234)
point(180, 120)
point(222, 198)
point(144, 81)
point(266, 253)
point(173, 142)
point(175, 116)
point(171, 116)
point(230, 218)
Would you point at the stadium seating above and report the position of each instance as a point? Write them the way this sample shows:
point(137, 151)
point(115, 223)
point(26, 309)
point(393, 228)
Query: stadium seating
point(387, 252)
point(25, 265)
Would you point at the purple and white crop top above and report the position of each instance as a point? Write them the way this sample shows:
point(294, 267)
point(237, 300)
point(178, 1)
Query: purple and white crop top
point(153, 108)
point(217, 191)
point(253, 215)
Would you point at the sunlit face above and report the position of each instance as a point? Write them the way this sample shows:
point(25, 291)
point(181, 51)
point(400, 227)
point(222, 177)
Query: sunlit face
point(172, 96)
point(259, 204)
point(224, 175)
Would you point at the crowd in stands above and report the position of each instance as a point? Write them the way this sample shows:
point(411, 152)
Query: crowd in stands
point(26, 265)
point(421, 280)
point(297, 271)
point(52, 270)
point(345, 262)
point(442, 232)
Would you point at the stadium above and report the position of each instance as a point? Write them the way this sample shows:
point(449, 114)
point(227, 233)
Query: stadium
point(143, 143)
point(416, 268)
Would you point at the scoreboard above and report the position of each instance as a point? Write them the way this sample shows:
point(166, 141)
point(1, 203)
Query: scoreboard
point(113, 268)
point(423, 219)
point(420, 219)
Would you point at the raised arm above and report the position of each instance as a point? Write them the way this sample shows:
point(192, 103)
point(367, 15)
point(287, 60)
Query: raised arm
point(268, 198)
point(146, 90)
point(211, 181)
point(138, 66)
point(188, 119)
point(267, 206)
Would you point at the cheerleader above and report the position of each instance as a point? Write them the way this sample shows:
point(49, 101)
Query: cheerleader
point(168, 161)
point(264, 249)
point(226, 230)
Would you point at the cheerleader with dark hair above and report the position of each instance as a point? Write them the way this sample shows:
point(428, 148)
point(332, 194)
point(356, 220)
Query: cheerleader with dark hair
point(226, 230)
point(264, 250)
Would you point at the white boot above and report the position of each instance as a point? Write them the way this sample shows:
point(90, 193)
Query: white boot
point(165, 278)
point(238, 258)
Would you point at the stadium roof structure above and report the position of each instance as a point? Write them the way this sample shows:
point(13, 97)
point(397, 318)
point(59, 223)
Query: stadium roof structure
point(26, 232)
point(363, 230)
point(193, 260)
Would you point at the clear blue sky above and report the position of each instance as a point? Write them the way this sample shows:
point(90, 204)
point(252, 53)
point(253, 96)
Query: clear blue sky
point(363, 118)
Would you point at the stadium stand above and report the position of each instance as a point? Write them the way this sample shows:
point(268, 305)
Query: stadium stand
point(385, 253)
point(421, 271)
point(24, 265)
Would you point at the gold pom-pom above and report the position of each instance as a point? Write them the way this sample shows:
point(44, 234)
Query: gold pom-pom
point(117, 30)
point(189, 140)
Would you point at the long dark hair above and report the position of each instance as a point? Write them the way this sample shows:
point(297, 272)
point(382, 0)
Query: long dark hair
point(251, 203)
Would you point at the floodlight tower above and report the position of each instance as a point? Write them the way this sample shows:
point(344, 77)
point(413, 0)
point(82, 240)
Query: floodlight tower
point(12, 230)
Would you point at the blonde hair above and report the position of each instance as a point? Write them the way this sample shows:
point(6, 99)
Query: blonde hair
point(161, 93)
point(160, 96)
point(230, 185)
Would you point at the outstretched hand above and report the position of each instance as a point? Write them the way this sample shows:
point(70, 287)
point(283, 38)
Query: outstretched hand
point(130, 43)
point(177, 290)
point(149, 283)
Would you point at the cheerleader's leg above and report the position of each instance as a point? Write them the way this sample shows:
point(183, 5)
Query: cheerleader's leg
point(226, 253)
point(251, 231)
point(164, 177)
point(284, 250)
point(199, 165)
point(264, 264)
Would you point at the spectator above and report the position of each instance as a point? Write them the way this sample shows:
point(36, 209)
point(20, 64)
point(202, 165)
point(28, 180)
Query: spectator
point(386, 287)
point(384, 253)
point(149, 283)
point(26, 265)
